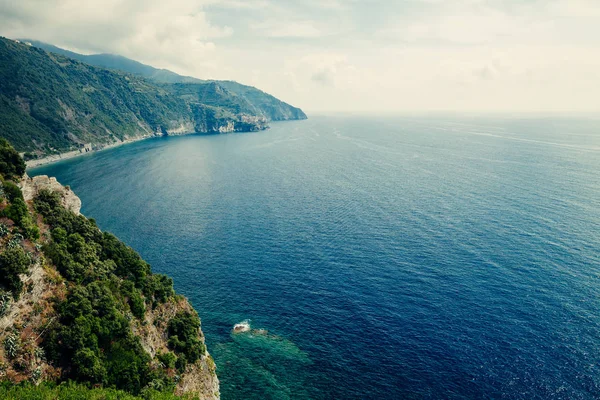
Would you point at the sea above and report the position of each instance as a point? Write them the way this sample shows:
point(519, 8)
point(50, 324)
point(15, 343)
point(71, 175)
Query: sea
point(374, 257)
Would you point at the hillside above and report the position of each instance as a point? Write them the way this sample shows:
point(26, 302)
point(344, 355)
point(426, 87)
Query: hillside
point(52, 104)
point(236, 97)
point(113, 61)
point(78, 305)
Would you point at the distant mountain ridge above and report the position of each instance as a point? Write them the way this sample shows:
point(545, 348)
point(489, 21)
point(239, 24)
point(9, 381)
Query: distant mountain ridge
point(113, 61)
point(52, 104)
point(239, 96)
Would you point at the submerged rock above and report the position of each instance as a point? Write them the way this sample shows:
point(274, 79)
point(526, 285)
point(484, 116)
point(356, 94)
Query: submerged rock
point(243, 326)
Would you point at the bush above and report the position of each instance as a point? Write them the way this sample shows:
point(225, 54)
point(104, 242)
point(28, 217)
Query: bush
point(18, 211)
point(12, 165)
point(13, 262)
point(12, 191)
point(11, 346)
point(168, 359)
point(5, 302)
point(88, 366)
point(135, 300)
point(159, 288)
point(183, 330)
point(92, 339)
point(3, 230)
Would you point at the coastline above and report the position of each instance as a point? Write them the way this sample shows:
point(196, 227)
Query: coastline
point(89, 148)
point(77, 153)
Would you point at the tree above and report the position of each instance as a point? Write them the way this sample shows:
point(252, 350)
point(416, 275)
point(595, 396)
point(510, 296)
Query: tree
point(13, 262)
point(88, 366)
point(12, 165)
point(183, 332)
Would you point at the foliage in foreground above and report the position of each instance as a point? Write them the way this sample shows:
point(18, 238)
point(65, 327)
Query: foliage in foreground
point(11, 164)
point(14, 260)
point(74, 391)
point(109, 284)
point(107, 287)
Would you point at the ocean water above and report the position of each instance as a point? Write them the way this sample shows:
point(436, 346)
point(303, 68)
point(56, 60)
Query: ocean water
point(382, 258)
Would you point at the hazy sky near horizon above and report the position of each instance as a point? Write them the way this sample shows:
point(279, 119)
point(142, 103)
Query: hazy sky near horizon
point(348, 55)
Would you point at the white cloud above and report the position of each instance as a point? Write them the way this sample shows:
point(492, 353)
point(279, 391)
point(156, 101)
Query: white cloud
point(477, 55)
point(287, 29)
point(174, 34)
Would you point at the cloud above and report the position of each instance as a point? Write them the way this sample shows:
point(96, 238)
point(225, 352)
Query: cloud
point(177, 33)
point(476, 55)
point(287, 29)
point(324, 77)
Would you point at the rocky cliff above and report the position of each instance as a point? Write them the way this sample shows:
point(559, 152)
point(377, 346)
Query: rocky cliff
point(89, 309)
point(31, 187)
point(51, 104)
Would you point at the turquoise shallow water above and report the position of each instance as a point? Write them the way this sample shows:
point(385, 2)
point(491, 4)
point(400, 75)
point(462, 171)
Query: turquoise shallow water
point(385, 257)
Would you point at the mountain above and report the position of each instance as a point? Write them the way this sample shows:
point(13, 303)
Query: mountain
point(236, 98)
point(78, 305)
point(112, 61)
point(52, 104)
point(244, 97)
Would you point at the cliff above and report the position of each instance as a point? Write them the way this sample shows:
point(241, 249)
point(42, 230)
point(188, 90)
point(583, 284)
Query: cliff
point(51, 104)
point(31, 187)
point(234, 96)
point(77, 304)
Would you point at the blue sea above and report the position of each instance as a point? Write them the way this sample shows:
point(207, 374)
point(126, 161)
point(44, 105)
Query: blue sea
point(374, 257)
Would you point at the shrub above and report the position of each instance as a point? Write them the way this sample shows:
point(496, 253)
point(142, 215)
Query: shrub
point(134, 297)
point(88, 366)
point(17, 211)
point(11, 346)
point(12, 191)
point(3, 230)
point(168, 359)
point(159, 288)
point(5, 302)
point(13, 262)
point(12, 165)
point(183, 330)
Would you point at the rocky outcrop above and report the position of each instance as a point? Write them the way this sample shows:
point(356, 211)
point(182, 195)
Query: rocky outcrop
point(199, 378)
point(24, 322)
point(32, 186)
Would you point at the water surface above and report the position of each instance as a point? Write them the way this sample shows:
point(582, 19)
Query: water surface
point(386, 257)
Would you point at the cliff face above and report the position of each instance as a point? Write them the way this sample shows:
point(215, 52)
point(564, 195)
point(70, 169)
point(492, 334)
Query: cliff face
point(36, 326)
point(234, 96)
point(200, 377)
point(31, 187)
point(51, 104)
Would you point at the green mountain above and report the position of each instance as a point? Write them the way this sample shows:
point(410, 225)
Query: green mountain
point(238, 96)
point(112, 61)
point(52, 104)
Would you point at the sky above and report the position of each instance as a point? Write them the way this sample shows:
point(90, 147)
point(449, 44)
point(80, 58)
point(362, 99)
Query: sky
point(325, 56)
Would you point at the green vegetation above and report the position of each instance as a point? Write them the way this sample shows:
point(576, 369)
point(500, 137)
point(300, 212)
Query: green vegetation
point(103, 291)
point(73, 391)
point(233, 96)
point(110, 284)
point(52, 104)
point(13, 262)
point(17, 210)
point(11, 164)
point(183, 338)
